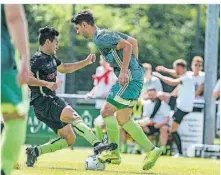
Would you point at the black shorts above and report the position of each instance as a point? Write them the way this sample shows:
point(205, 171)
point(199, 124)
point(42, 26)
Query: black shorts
point(178, 115)
point(172, 102)
point(152, 130)
point(48, 110)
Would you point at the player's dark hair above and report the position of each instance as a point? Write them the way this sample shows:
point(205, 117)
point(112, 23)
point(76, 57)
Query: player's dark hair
point(47, 33)
point(83, 16)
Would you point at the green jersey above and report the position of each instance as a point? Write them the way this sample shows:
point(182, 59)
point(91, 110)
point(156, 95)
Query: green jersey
point(127, 95)
point(7, 49)
point(106, 42)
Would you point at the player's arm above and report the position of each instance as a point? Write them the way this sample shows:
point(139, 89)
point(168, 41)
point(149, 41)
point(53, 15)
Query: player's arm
point(134, 44)
point(72, 67)
point(126, 47)
point(199, 90)
point(37, 82)
point(167, 80)
point(174, 92)
point(172, 72)
point(17, 26)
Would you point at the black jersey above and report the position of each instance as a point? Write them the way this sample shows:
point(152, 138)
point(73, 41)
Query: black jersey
point(44, 67)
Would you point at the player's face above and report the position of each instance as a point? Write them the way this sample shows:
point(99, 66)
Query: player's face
point(52, 46)
point(179, 70)
point(81, 30)
point(152, 95)
point(197, 67)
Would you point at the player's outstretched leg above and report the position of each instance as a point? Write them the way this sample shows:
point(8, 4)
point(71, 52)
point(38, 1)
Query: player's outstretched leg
point(138, 135)
point(52, 146)
point(68, 115)
point(67, 138)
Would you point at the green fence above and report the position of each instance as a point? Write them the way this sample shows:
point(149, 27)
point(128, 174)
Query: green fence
point(39, 133)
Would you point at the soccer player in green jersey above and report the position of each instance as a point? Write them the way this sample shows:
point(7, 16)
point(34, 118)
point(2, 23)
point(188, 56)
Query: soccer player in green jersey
point(121, 52)
point(14, 97)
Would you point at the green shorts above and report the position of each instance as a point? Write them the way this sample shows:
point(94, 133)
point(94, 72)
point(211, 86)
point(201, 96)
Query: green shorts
point(125, 96)
point(13, 98)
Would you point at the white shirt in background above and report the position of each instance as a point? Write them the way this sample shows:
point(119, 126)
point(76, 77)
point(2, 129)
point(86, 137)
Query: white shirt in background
point(102, 89)
point(198, 80)
point(154, 82)
point(148, 107)
point(186, 93)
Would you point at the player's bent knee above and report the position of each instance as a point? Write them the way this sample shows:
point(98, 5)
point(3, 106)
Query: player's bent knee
point(68, 115)
point(122, 121)
point(106, 112)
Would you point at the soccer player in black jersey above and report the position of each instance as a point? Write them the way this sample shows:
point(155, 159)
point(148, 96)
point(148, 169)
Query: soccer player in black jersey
point(49, 108)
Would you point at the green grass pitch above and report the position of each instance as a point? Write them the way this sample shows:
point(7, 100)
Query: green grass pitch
point(71, 162)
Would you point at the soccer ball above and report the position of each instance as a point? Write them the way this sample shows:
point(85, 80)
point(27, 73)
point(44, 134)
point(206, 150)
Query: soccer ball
point(92, 163)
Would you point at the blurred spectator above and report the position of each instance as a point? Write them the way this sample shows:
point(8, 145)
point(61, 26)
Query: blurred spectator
point(184, 94)
point(150, 81)
point(216, 95)
point(198, 76)
point(104, 79)
point(155, 117)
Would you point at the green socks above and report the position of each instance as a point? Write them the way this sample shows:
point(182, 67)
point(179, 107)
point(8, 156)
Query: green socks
point(84, 131)
point(13, 138)
point(113, 131)
point(52, 146)
point(138, 135)
point(99, 133)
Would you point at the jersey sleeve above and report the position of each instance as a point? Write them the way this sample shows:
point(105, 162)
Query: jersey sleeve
point(122, 35)
point(36, 64)
point(58, 62)
point(108, 40)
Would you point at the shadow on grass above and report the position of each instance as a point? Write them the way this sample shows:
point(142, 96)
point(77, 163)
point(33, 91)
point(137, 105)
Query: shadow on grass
point(56, 168)
point(132, 172)
point(105, 171)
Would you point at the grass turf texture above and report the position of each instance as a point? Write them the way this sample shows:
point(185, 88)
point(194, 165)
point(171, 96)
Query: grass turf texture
point(71, 162)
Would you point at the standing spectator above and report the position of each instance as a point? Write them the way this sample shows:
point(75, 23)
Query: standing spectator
point(216, 95)
point(184, 93)
point(150, 80)
point(155, 117)
point(198, 76)
point(104, 79)
point(197, 73)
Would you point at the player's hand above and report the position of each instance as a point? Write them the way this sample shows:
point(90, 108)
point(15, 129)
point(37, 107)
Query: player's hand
point(160, 69)
point(23, 75)
point(156, 74)
point(91, 58)
point(123, 78)
point(51, 85)
point(141, 122)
